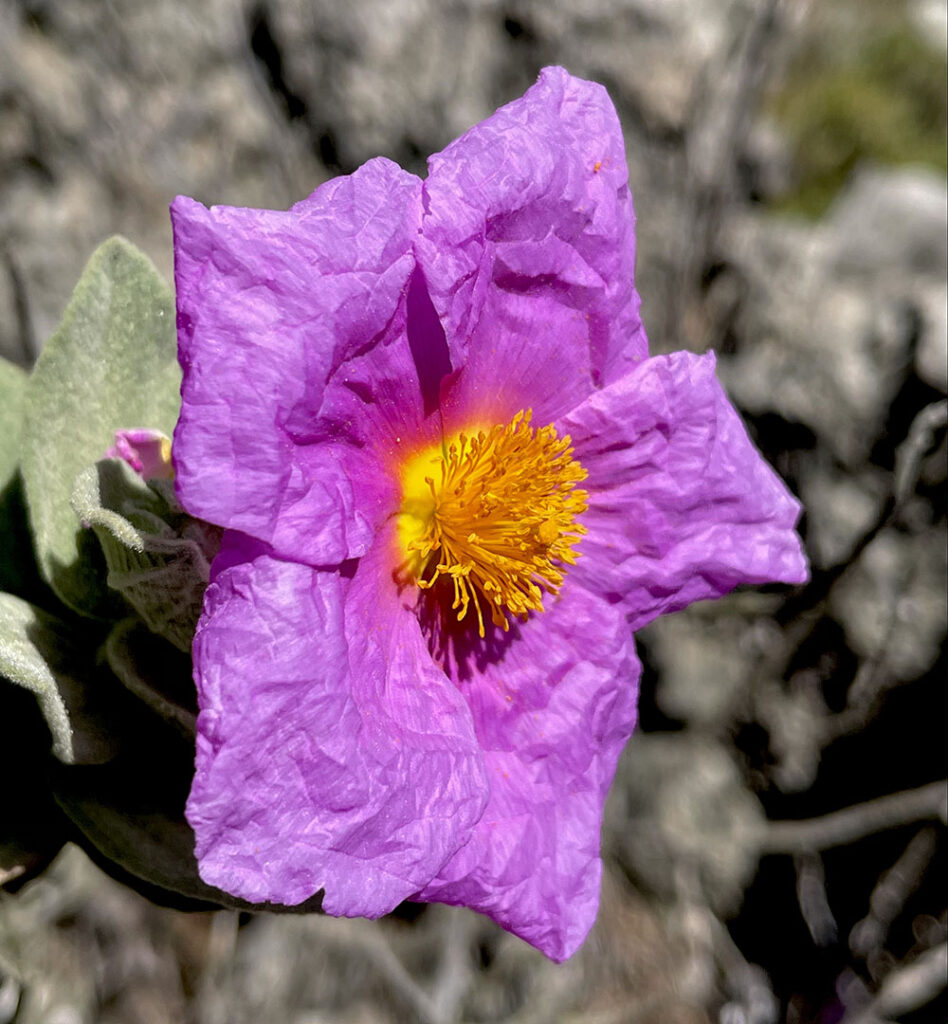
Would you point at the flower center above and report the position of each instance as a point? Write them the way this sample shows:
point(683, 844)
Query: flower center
point(495, 513)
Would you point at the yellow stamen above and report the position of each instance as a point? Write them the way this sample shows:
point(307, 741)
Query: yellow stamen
point(164, 452)
point(495, 512)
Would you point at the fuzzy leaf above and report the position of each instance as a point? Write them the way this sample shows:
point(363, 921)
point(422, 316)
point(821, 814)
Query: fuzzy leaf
point(156, 673)
point(158, 558)
point(16, 565)
point(38, 653)
point(31, 827)
point(22, 663)
point(12, 391)
point(110, 364)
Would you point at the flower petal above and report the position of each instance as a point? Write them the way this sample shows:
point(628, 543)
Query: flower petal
point(682, 506)
point(270, 303)
point(528, 251)
point(381, 399)
point(553, 707)
point(331, 752)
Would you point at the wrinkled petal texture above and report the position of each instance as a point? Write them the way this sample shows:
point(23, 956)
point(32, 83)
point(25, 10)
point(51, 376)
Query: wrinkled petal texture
point(270, 304)
point(528, 251)
point(682, 506)
point(332, 753)
point(553, 712)
point(353, 737)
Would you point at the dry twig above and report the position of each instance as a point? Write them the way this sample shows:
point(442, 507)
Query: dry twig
point(891, 891)
point(909, 987)
point(811, 895)
point(852, 823)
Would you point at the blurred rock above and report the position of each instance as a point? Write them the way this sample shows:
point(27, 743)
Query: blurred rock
point(705, 657)
point(767, 162)
point(834, 312)
point(468, 58)
point(681, 802)
point(113, 110)
point(930, 18)
point(931, 356)
point(356, 100)
point(703, 672)
point(891, 222)
point(651, 53)
point(893, 603)
point(841, 507)
point(795, 718)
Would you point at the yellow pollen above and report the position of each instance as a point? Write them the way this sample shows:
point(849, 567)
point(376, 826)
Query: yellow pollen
point(494, 512)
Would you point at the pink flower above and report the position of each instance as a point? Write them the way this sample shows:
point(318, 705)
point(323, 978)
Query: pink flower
point(454, 484)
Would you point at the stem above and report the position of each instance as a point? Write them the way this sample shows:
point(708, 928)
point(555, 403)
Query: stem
point(846, 826)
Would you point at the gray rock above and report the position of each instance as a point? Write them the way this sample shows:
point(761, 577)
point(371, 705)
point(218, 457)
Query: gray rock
point(705, 657)
point(930, 19)
point(652, 53)
point(832, 310)
point(795, 718)
point(681, 803)
point(931, 356)
point(841, 507)
point(703, 673)
point(347, 65)
point(893, 603)
point(889, 220)
point(116, 108)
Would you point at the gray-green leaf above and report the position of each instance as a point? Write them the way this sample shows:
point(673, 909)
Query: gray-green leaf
point(38, 653)
point(111, 364)
point(15, 558)
point(155, 673)
point(158, 558)
point(12, 392)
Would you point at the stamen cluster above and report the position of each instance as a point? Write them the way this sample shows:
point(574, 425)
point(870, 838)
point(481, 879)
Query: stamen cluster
point(503, 522)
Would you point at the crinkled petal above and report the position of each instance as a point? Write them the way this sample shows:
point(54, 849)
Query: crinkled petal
point(682, 506)
point(270, 304)
point(553, 703)
point(382, 399)
point(528, 250)
point(332, 754)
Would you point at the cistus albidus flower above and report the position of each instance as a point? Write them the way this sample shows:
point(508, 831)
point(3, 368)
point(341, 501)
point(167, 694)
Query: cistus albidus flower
point(453, 483)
